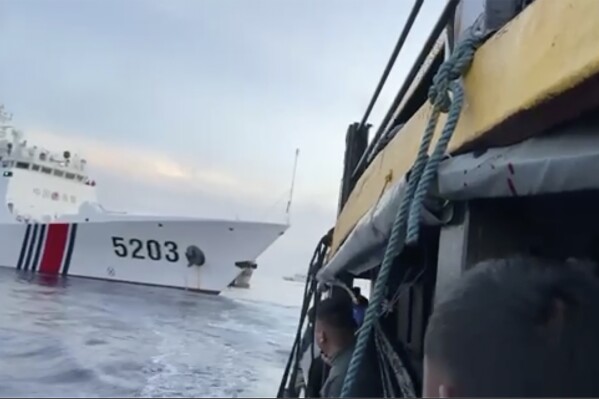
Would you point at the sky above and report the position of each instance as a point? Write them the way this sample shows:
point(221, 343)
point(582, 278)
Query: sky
point(196, 107)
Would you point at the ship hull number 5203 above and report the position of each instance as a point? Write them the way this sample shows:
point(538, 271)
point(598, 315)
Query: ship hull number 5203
point(145, 249)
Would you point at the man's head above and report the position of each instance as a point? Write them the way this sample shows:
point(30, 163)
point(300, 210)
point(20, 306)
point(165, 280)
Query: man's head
point(335, 325)
point(518, 327)
point(357, 291)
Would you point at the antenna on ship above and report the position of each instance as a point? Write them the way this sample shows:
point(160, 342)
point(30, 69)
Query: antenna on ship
point(288, 210)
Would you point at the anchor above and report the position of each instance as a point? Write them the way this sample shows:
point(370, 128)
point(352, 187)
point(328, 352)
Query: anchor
point(195, 256)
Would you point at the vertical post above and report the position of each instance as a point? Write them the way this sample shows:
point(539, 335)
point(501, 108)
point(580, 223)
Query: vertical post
point(356, 141)
point(291, 189)
point(481, 230)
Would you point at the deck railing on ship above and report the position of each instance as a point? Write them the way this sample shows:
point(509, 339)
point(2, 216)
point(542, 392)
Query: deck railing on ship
point(445, 19)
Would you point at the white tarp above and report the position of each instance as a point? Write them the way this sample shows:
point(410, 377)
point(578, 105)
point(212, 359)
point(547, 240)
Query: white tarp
point(542, 165)
point(364, 247)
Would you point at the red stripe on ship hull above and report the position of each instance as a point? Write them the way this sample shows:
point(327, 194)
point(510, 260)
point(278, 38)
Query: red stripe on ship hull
point(53, 253)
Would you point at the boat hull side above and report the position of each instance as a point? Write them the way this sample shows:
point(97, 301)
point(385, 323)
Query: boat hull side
point(142, 252)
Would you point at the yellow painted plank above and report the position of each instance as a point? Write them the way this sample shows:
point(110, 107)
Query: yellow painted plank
point(550, 47)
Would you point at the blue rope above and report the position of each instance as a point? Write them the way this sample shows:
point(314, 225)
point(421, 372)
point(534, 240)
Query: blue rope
point(445, 81)
point(423, 172)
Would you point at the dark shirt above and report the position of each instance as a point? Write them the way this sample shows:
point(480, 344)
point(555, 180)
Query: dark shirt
point(360, 309)
point(316, 375)
point(359, 313)
point(367, 383)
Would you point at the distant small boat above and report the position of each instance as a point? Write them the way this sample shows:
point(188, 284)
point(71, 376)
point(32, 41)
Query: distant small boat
point(297, 277)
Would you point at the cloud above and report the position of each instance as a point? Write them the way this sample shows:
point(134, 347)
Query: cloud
point(157, 182)
point(151, 166)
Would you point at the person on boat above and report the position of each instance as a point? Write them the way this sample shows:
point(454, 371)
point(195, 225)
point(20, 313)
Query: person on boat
point(360, 305)
point(319, 368)
point(335, 329)
point(521, 327)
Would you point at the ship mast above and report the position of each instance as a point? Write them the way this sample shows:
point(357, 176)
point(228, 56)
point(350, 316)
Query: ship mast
point(291, 189)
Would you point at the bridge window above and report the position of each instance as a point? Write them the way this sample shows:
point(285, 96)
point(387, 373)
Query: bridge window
point(46, 170)
point(80, 178)
point(70, 176)
point(35, 167)
point(58, 173)
point(22, 165)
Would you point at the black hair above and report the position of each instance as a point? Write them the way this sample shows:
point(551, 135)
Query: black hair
point(361, 299)
point(336, 312)
point(519, 327)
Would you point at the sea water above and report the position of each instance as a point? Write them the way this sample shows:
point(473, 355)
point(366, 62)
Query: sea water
point(84, 338)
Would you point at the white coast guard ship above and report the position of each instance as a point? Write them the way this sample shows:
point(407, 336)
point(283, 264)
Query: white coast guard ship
point(51, 223)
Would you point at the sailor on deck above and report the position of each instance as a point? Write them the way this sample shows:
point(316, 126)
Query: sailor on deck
point(335, 328)
point(318, 368)
point(359, 306)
